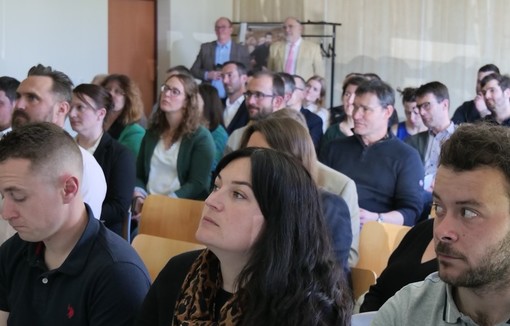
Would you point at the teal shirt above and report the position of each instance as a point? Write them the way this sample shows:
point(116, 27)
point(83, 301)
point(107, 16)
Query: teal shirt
point(194, 161)
point(220, 137)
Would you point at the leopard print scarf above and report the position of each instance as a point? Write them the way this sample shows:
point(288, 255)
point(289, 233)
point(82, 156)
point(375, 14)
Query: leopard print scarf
point(196, 303)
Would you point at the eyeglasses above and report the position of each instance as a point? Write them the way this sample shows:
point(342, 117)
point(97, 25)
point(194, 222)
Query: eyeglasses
point(425, 106)
point(173, 91)
point(221, 27)
point(257, 95)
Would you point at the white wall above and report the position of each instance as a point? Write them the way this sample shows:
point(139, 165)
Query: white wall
point(71, 36)
point(182, 26)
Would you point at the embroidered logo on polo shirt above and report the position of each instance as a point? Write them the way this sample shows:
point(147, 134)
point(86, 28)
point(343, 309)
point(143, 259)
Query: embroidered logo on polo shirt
point(70, 311)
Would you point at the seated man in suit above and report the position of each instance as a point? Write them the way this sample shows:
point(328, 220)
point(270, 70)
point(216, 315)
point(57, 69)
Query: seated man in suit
point(471, 237)
point(295, 56)
point(212, 55)
point(234, 76)
point(63, 267)
point(388, 173)
point(295, 88)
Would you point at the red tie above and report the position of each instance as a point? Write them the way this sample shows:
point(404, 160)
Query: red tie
point(290, 60)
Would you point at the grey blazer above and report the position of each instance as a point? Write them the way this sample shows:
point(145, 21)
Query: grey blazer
point(206, 58)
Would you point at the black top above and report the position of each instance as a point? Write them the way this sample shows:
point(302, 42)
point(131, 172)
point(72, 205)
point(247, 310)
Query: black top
point(101, 282)
point(404, 266)
point(467, 112)
point(159, 304)
point(314, 124)
point(119, 168)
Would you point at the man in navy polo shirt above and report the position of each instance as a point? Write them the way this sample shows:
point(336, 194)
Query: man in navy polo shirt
point(62, 267)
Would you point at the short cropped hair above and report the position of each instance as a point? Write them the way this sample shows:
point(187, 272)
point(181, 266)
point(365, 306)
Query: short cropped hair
point(478, 145)
point(278, 85)
point(408, 94)
point(288, 82)
point(9, 86)
point(379, 88)
point(438, 89)
point(489, 68)
point(48, 147)
point(62, 84)
point(503, 81)
point(241, 68)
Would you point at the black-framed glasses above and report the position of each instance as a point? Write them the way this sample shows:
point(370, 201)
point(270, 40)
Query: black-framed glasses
point(173, 91)
point(425, 106)
point(257, 95)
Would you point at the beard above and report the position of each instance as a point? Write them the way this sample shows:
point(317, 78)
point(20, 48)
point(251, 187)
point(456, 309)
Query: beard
point(490, 272)
point(19, 118)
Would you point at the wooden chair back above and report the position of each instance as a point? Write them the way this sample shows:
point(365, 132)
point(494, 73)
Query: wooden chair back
point(156, 251)
point(376, 243)
point(173, 218)
point(362, 279)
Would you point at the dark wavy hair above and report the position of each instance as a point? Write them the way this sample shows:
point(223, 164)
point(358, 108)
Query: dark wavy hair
point(133, 107)
point(290, 277)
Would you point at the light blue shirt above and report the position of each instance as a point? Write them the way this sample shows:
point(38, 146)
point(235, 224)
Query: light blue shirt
point(221, 55)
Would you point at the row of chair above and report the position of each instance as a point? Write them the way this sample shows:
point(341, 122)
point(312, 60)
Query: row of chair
point(168, 227)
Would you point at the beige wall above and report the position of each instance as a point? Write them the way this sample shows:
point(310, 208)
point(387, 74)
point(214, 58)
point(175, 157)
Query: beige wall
point(406, 42)
point(182, 26)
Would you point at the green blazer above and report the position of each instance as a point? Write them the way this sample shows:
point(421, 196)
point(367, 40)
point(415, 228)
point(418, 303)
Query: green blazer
point(131, 137)
point(194, 161)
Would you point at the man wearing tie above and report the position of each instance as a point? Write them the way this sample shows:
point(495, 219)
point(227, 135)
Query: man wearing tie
point(295, 56)
point(212, 55)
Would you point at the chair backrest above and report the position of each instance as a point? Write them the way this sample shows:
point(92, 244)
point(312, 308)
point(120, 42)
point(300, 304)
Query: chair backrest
point(173, 218)
point(363, 319)
point(362, 279)
point(376, 243)
point(156, 251)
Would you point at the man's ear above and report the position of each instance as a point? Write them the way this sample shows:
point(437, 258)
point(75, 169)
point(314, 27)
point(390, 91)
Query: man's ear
point(446, 104)
point(389, 111)
point(71, 187)
point(278, 102)
point(63, 108)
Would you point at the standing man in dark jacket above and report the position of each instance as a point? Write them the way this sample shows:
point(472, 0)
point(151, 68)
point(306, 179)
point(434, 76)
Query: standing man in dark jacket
point(212, 55)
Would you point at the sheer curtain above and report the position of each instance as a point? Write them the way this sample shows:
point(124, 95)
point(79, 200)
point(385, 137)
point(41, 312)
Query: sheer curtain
point(406, 42)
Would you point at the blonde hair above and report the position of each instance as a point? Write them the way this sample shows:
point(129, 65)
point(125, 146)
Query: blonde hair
point(287, 135)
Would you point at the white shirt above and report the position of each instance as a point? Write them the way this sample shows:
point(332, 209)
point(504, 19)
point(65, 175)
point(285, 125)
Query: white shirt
point(163, 177)
point(93, 185)
point(231, 109)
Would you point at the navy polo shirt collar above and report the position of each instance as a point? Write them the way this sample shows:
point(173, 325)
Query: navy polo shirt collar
point(77, 259)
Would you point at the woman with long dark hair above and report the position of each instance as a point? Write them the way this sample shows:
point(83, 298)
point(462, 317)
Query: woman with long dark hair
point(268, 259)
